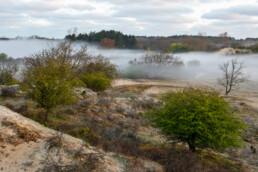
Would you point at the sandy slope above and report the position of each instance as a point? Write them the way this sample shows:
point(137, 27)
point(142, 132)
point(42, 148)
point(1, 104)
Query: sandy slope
point(17, 154)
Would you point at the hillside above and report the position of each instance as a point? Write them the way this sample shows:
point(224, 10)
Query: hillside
point(134, 145)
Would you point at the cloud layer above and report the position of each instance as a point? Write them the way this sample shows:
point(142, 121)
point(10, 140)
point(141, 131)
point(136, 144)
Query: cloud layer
point(52, 18)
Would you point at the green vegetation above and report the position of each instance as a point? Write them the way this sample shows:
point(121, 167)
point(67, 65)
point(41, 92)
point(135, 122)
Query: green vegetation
point(6, 78)
point(50, 82)
point(96, 81)
point(51, 75)
point(100, 64)
point(133, 72)
point(3, 56)
point(113, 126)
point(121, 40)
point(199, 118)
point(254, 48)
point(179, 47)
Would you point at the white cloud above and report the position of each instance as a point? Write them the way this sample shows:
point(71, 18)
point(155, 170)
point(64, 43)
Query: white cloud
point(140, 17)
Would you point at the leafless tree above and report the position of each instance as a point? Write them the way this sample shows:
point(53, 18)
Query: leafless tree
point(232, 74)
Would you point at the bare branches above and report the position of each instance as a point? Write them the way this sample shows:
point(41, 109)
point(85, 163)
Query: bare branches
point(232, 74)
point(156, 59)
point(157, 65)
point(8, 68)
point(76, 57)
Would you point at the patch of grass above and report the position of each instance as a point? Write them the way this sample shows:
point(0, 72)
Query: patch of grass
point(221, 162)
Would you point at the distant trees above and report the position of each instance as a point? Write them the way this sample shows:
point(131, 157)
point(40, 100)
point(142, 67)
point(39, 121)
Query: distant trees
point(121, 40)
point(107, 43)
point(179, 47)
point(202, 119)
point(199, 42)
point(232, 74)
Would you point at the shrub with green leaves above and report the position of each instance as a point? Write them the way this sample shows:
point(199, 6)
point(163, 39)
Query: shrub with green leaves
point(202, 119)
point(96, 81)
point(3, 56)
point(102, 65)
point(49, 81)
point(7, 79)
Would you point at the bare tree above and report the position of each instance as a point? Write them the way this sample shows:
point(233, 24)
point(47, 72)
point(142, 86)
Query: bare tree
point(232, 74)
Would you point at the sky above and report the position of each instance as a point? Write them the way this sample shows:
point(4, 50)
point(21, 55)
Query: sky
point(53, 18)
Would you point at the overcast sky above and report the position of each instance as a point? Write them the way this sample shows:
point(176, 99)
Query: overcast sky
point(53, 18)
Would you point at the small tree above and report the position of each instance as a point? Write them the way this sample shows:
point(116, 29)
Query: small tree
point(232, 74)
point(49, 79)
point(202, 119)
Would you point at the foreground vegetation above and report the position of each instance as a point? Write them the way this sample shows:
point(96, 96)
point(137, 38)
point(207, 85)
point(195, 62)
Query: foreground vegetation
point(54, 93)
point(113, 122)
point(202, 119)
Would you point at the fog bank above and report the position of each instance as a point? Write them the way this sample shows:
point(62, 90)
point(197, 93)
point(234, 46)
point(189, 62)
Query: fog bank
point(197, 65)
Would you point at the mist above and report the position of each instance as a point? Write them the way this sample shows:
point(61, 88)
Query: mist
point(199, 66)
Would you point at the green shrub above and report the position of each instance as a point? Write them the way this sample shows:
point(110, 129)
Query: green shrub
point(3, 56)
point(133, 72)
point(102, 65)
point(7, 79)
point(254, 48)
point(199, 118)
point(49, 81)
point(96, 82)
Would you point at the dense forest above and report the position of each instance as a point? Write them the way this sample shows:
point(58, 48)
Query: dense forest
point(121, 40)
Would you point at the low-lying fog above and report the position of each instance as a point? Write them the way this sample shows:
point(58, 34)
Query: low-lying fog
point(198, 65)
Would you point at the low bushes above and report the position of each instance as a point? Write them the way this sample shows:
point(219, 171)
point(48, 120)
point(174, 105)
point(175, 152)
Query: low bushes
point(96, 82)
point(9, 92)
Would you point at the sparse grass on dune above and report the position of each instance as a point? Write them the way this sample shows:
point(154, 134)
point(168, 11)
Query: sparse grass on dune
point(113, 123)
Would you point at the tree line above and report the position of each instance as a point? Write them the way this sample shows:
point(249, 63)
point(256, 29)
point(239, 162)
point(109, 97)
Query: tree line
point(121, 40)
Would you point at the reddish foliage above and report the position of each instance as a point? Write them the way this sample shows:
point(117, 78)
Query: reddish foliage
point(107, 43)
